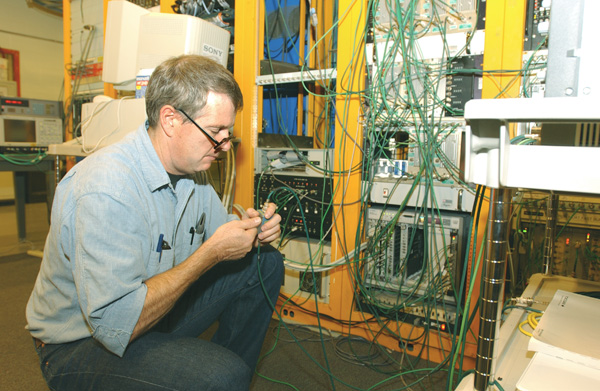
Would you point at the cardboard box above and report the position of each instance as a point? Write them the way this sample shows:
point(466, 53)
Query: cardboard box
point(141, 81)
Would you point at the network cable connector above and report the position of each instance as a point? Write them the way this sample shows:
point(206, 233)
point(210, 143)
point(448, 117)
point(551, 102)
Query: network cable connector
point(302, 161)
point(439, 148)
point(387, 168)
point(283, 159)
point(262, 212)
point(526, 301)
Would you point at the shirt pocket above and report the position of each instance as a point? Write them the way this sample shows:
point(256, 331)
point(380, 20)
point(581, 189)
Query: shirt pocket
point(154, 263)
point(196, 241)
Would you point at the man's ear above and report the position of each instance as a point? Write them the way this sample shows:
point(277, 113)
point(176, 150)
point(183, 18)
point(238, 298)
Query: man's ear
point(168, 120)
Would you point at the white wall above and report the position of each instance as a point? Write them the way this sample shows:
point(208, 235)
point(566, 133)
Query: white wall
point(38, 37)
point(88, 13)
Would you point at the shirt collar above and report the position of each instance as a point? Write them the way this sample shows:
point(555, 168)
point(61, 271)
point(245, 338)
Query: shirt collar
point(155, 174)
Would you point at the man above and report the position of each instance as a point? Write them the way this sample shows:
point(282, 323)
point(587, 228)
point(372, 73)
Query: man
point(141, 259)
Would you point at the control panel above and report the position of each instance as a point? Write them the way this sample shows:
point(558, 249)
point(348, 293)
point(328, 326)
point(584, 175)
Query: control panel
point(577, 211)
point(29, 125)
point(303, 203)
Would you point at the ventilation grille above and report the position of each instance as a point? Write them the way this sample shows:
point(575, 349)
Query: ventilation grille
point(587, 134)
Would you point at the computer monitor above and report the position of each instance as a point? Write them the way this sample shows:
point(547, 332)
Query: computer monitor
point(138, 39)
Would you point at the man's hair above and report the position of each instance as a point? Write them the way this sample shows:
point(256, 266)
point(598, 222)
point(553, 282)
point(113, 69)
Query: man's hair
point(184, 82)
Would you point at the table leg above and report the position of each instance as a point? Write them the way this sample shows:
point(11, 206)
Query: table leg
point(20, 180)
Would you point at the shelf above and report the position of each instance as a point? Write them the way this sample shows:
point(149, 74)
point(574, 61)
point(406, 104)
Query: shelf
point(491, 160)
point(297, 77)
point(69, 148)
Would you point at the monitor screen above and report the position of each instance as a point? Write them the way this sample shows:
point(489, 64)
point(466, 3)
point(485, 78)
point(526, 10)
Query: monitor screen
point(19, 130)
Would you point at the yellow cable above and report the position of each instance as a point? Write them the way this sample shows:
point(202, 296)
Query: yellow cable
point(527, 333)
point(532, 320)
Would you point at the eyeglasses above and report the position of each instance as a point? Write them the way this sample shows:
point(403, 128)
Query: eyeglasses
point(211, 138)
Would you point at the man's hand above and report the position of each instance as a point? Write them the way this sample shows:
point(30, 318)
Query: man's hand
point(270, 230)
point(233, 240)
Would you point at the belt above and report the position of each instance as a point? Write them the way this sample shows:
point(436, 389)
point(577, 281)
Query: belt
point(38, 343)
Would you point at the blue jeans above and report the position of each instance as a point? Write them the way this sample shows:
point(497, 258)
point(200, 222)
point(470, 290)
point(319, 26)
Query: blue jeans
point(171, 356)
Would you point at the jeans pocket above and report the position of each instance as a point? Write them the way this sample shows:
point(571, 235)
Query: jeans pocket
point(49, 355)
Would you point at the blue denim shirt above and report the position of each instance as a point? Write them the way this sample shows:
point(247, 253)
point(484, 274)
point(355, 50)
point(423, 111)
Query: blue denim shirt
point(108, 214)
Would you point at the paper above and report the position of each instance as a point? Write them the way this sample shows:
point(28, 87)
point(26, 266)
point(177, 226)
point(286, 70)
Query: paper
point(569, 329)
point(549, 373)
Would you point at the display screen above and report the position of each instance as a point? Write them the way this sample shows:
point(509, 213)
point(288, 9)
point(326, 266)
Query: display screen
point(15, 102)
point(19, 131)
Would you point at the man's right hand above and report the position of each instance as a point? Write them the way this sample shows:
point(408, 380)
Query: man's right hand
point(233, 240)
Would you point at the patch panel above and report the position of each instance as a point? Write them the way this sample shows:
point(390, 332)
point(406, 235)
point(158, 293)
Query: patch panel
point(306, 210)
point(440, 315)
point(578, 211)
point(410, 250)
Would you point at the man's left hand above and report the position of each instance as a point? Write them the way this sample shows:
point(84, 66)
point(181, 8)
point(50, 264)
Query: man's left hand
point(270, 230)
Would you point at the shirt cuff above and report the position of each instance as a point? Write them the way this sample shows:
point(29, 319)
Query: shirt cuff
point(115, 328)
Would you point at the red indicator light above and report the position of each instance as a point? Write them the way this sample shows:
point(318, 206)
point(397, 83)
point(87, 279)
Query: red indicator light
point(567, 241)
point(14, 102)
point(443, 327)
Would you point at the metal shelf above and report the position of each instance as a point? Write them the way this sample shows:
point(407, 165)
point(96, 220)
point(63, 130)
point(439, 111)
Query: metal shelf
point(492, 161)
point(297, 77)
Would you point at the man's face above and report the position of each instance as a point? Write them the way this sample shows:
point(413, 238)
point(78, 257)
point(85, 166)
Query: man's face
point(193, 151)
